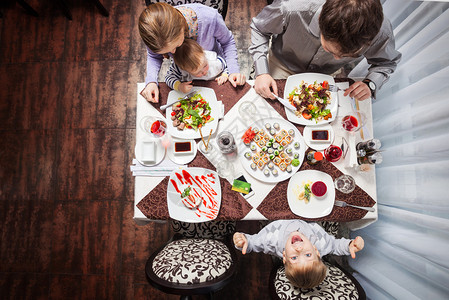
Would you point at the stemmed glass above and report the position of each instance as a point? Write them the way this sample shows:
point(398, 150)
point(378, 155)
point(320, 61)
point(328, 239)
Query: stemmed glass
point(153, 126)
point(354, 121)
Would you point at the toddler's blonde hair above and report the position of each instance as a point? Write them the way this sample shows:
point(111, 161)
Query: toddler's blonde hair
point(189, 56)
point(160, 24)
point(306, 276)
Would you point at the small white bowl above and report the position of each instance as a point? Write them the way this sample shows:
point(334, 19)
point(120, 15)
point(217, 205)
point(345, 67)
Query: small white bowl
point(320, 185)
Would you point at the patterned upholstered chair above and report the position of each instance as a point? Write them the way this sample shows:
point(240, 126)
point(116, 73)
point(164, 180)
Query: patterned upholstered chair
point(209, 230)
point(338, 284)
point(192, 266)
point(220, 5)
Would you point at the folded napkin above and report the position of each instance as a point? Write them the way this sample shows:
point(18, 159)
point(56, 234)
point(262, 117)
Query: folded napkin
point(161, 170)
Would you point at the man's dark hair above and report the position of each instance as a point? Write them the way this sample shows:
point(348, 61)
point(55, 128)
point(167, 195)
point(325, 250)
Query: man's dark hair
point(351, 24)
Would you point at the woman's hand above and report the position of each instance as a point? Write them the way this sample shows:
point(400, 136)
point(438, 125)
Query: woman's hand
point(240, 241)
point(237, 79)
point(263, 84)
point(151, 92)
point(356, 245)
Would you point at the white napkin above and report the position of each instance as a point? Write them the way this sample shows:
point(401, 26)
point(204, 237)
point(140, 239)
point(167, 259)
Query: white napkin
point(165, 168)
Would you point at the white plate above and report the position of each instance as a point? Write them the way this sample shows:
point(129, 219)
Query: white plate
point(208, 181)
point(188, 134)
point(181, 159)
point(307, 133)
point(316, 208)
point(309, 78)
point(158, 148)
point(282, 175)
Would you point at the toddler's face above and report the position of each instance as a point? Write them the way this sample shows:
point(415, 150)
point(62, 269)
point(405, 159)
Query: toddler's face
point(299, 250)
point(202, 69)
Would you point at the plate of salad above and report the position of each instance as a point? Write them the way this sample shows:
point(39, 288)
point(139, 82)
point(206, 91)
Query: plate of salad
point(186, 117)
point(309, 93)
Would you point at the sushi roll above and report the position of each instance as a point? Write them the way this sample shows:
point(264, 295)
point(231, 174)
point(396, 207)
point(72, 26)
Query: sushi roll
point(272, 131)
point(256, 138)
point(291, 132)
point(266, 172)
point(275, 145)
point(253, 166)
point(289, 150)
point(260, 164)
point(282, 166)
point(269, 144)
point(296, 155)
point(264, 148)
point(265, 159)
point(277, 160)
point(288, 138)
point(276, 152)
point(296, 145)
point(287, 160)
point(280, 148)
point(261, 143)
point(270, 150)
point(276, 126)
point(270, 165)
point(282, 155)
point(274, 172)
point(271, 156)
point(255, 130)
point(253, 147)
point(268, 126)
point(272, 140)
point(278, 138)
point(284, 142)
point(248, 155)
point(289, 169)
point(283, 133)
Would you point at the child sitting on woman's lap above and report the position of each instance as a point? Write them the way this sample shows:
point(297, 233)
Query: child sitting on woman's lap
point(300, 245)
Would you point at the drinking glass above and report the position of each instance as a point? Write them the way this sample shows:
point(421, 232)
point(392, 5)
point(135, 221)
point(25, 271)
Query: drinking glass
point(247, 111)
point(153, 126)
point(353, 121)
point(345, 184)
point(333, 153)
point(225, 169)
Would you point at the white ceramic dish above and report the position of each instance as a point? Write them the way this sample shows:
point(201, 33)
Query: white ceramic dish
point(146, 145)
point(216, 113)
point(282, 175)
point(204, 179)
point(309, 78)
point(307, 133)
point(316, 208)
point(184, 158)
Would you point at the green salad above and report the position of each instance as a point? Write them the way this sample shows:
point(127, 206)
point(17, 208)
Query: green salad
point(191, 113)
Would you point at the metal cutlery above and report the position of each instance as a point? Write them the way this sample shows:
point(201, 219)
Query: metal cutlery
point(344, 204)
point(334, 88)
point(285, 103)
point(164, 107)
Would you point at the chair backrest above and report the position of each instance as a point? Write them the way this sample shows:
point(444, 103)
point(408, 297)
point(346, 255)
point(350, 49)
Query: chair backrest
point(220, 5)
point(338, 284)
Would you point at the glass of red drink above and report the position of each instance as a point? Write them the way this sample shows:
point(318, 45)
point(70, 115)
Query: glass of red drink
point(353, 121)
point(154, 126)
point(333, 153)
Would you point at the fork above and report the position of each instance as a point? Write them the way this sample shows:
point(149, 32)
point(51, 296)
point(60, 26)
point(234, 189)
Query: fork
point(334, 88)
point(344, 204)
point(163, 107)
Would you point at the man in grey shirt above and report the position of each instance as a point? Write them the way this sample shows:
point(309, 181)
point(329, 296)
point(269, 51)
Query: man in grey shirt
point(322, 37)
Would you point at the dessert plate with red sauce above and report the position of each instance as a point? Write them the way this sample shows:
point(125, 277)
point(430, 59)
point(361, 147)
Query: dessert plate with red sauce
point(317, 206)
point(204, 184)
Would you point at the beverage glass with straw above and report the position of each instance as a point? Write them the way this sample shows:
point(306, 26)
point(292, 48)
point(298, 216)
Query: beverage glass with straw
point(205, 147)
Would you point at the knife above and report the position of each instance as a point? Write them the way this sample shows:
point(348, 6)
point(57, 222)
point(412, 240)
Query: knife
point(285, 103)
point(164, 107)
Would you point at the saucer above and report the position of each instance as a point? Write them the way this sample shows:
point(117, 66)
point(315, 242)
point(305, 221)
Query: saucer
point(318, 145)
point(149, 151)
point(181, 159)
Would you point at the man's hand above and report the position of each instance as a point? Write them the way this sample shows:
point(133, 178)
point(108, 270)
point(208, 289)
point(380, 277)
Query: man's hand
point(240, 241)
point(356, 245)
point(185, 87)
point(359, 91)
point(151, 92)
point(221, 79)
point(263, 84)
point(237, 79)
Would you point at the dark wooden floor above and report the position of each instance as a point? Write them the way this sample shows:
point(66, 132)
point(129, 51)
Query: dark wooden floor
point(67, 127)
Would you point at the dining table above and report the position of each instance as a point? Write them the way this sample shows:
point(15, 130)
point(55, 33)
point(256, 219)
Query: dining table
point(270, 200)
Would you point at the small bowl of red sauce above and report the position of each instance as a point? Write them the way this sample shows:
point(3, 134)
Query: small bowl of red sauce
point(319, 189)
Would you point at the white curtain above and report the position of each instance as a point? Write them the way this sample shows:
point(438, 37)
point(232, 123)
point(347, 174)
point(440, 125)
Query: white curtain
point(406, 253)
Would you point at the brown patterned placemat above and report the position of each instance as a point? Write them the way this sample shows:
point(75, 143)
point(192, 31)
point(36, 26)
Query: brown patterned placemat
point(233, 205)
point(275, 205)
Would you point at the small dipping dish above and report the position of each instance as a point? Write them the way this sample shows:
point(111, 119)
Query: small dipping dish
point(320, 136)
point(319, 189)
point(183, 147)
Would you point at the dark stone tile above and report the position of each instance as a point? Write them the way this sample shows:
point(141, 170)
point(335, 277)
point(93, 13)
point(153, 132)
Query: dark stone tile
point(27, 164)
point(66, 286)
